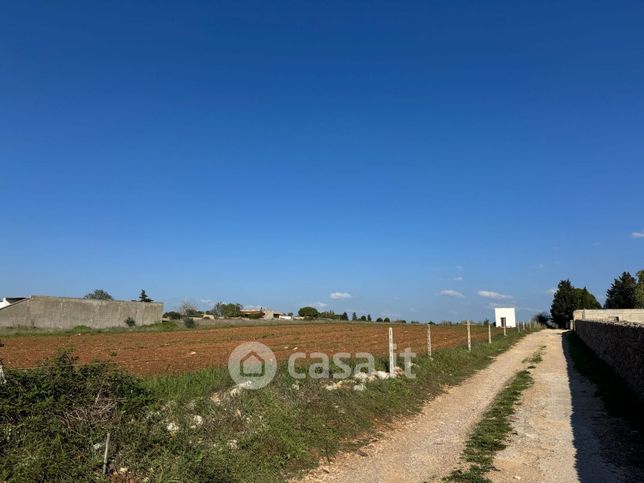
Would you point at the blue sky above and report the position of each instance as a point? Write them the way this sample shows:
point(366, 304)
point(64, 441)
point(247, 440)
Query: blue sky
point(427, 159)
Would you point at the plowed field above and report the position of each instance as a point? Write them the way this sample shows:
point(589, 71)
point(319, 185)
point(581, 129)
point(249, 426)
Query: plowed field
point(186, 350)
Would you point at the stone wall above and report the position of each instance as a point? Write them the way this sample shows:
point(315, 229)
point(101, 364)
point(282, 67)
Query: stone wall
point(610, 315)
point(65, 313)
point(620, 345)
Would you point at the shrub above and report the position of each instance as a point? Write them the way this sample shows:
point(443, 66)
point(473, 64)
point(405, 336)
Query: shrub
point(130, 322)
point(172, 315)
point(51, 416)
point(189, 323)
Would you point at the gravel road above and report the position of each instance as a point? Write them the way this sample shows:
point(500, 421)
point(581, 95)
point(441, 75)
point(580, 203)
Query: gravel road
point(427, 447)
point(562, 432)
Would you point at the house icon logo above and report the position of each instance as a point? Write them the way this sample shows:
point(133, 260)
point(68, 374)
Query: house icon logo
point(252, 365)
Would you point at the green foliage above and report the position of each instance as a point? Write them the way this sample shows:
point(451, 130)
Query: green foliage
point(639, 290)
point(310, 312)
point(344, 316)
point(227, 310)
point(387, 320)
point(621, 294)
point(379, 319)
point(567, 299)
point(143, 297)
point(172, 315)
point(542, 318)
point(130, 322)
point(354, 316)
point(51, 417)
point(189, 323)
point(369, 317)
point(98, 294)
point(363, 318)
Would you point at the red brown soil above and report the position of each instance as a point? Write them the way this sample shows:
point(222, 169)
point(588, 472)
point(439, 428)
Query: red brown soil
point(186, 350)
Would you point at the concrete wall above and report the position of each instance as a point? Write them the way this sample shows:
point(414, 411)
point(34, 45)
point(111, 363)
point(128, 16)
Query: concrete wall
point(65, 313)
point(610, 315)
point(620, 345)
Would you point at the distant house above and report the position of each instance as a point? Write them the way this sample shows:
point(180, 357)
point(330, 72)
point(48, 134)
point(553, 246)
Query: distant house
point(505, 317)
point(261, 313)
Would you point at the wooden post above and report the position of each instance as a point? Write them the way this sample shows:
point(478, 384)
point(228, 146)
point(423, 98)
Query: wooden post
point(392, 357)
point(429, 340)
point(469, 337)
point(107, 448)
point(489, 333)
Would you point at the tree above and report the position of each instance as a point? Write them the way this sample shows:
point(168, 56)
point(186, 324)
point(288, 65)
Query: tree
point(369, 317)
point(344, 316)
point(311, 312)
point(379, 319)
point(386, 319)
point(188, 309)
point(363, 318)
point(98, 294)
point(567, 299)
point(621, 294)
point(542, 318)
point(354, 316)
point(639, 291)
point(144, 297)
point(228, 310)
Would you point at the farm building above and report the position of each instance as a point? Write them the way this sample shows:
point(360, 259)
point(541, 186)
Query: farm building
point(505, 317)
point(261, 313)
point(66, 313)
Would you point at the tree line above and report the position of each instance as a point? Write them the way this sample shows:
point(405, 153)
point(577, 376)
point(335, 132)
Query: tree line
point(626, 292)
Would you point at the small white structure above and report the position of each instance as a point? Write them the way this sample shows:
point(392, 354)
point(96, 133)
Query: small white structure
point(505, 317)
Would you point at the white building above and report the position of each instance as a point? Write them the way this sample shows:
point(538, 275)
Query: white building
point(505, 317)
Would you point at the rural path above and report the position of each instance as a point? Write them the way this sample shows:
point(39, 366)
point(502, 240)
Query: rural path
point(562, 433)
point(428, 446)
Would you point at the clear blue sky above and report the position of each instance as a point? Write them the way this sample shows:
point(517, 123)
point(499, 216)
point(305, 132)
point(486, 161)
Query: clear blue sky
point(410, 154)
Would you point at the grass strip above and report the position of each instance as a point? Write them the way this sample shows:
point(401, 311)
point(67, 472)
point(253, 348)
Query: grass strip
point(491, 433)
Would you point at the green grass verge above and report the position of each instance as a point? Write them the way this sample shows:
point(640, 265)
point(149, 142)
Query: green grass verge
point(491, 433)
point(54, 419)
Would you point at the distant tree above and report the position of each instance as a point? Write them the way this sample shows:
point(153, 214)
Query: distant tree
point(328, 315)
point(403, 321)
point(188, 309)
point(639, 290)
point(99, 294)
point(144, 297)
point(311, 312)
point(567, 299)
point(486, 321)
point(189, 322)
point(172, 315)
point(344, 316)
point(621, 294)
point(363, 318)
point(563, 303)
point(227, 310)
point(369, 317)
point(542, 318)
point(387, 319)
point(379, 319)
point(354, 316)
point(431, 322)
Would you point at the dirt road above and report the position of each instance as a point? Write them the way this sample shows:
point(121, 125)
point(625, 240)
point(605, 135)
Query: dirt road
point(561, 432)
point(427, 447)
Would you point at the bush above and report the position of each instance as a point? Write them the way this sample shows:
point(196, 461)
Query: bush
point(189, 323)
point(172, 315)
point(52, 416)
point(130, 322)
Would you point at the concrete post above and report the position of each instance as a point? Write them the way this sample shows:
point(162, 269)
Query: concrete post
point(392, 356)
point(469, 337)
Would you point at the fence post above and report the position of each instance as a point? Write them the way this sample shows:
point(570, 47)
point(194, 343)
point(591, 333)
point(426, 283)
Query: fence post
point(504, 331)
point(429, 340)
point(392, 358)
point(489, 333)
point(469, 337)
